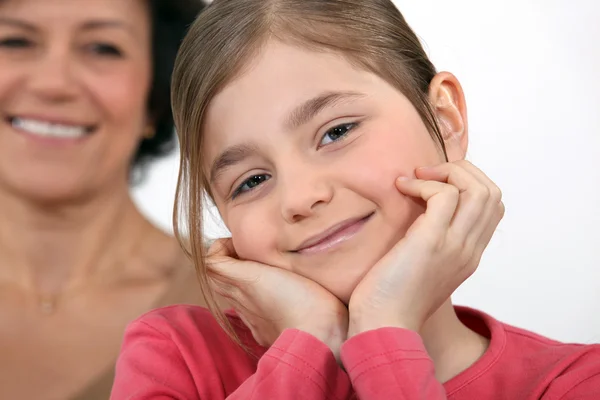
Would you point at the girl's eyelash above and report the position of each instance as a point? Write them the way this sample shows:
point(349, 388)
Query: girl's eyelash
point(255, 180)
point(341, 131)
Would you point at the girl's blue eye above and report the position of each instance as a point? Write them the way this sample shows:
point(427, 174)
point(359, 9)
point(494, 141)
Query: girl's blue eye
point(337, 133)
point(249, 184)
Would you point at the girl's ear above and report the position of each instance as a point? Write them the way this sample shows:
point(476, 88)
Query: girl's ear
point(448, 101)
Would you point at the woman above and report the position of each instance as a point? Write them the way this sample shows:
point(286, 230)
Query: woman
point(84, 93)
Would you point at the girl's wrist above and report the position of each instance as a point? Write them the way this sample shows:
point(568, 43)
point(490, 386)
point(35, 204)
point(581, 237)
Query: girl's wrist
point(363, 322)
point(331, 333)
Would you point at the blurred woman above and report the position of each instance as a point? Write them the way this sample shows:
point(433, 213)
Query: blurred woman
point(84, 103)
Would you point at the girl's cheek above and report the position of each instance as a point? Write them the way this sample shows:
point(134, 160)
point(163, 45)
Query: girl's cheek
point(250, 236)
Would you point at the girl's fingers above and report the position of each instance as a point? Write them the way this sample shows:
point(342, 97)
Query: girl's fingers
point(442, 173)
point(222, 261)
point(488, 231)
point(492, 209)
point(220, 257)
point(229, 277)
point(441, 199)
point(495, 192)
point(221, 248)
point(488, 218)
point(482, 200)
point(475, 217)
point(472, 200)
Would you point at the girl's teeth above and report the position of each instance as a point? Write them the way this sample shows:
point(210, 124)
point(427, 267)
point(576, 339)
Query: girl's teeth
point(41, 128)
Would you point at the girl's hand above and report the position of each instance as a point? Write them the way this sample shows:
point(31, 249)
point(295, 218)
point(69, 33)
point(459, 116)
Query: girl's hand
point(440, 250)
point(270, 300)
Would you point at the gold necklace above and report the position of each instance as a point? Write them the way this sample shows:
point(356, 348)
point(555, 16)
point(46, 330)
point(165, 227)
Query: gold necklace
point(47, 304)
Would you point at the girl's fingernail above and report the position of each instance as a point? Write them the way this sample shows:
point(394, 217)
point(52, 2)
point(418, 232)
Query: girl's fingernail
point(402, 178)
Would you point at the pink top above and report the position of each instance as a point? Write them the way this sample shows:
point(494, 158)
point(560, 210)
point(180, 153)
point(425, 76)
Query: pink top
point(180, 352)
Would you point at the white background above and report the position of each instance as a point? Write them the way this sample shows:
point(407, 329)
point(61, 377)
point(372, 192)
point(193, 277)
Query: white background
point(530, 70)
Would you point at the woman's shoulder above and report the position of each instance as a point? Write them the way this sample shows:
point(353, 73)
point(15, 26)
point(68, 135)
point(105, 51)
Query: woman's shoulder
point(163, 261)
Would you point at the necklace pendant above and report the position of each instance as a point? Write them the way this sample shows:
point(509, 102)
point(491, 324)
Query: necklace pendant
point(47, 306)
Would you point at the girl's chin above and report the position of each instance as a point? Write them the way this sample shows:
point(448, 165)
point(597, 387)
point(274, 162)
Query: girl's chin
point(344, 294)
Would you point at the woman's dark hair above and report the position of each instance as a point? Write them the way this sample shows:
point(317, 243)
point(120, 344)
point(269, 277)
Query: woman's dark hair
point(170, 20)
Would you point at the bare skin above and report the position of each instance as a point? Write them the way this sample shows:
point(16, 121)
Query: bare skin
point(58, 354)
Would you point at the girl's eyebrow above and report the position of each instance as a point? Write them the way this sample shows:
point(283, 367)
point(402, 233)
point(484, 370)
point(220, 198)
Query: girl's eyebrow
point(310, 108)
point(229, 157)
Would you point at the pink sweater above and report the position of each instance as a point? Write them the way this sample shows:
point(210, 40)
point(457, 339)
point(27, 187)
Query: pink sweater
point(180, 352)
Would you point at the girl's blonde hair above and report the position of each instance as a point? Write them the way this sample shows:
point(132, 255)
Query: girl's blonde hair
point(370, 34)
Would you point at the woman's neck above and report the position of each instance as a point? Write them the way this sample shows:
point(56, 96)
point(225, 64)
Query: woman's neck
point(452, 346)
point(49, 249)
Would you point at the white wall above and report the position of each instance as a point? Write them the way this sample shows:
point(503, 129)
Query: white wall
point(530, 70)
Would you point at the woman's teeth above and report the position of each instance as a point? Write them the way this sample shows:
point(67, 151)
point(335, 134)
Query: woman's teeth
point(47, 129)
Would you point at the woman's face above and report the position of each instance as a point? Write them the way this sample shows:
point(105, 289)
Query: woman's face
point(74, 81)
point(303, 151)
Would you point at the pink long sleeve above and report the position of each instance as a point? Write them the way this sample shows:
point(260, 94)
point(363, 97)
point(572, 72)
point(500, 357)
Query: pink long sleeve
point(158, 363)
point(180, 352)
point(296, 366)
point(391, 363)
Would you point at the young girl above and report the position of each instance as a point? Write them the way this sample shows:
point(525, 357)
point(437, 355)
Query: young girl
point(335, 155)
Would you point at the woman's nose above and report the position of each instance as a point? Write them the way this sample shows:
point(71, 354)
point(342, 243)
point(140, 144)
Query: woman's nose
point(52, 78)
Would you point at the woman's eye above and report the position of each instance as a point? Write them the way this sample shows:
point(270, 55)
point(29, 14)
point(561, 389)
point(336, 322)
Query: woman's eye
point(15, 43)
point(105, 49)
point(336, 133)
point(249, 184)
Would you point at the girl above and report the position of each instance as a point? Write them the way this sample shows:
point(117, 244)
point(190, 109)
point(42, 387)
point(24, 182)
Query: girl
point(335, 155)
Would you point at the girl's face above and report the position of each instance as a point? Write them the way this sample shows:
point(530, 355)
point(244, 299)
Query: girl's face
point(303, 151)
point(74, 80)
